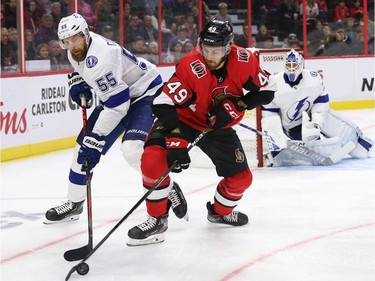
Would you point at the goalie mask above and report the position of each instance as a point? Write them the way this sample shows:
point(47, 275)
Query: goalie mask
point(293, 65)
point(70, 26)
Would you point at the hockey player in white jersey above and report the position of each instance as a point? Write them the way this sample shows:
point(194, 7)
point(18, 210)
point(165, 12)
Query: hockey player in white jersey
point(300, 114)
point(124, 85)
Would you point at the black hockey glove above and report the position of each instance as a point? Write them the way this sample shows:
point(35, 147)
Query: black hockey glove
point(226, 112)
point(91, 150)
point(177, 152)
point(78, 87)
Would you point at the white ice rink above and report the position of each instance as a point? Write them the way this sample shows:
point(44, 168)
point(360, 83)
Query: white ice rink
point(305, 223)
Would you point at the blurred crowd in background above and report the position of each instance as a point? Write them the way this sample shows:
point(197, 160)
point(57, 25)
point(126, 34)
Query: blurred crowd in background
point(334, 28)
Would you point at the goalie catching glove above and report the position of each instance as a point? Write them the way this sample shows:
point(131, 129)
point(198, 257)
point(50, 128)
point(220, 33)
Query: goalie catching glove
point(78, 87)
point(226, 112)
point(91, 149)
point(310, 130)
point(177, 147)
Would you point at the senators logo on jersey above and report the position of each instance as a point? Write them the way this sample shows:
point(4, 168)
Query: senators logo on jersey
point(198, 68)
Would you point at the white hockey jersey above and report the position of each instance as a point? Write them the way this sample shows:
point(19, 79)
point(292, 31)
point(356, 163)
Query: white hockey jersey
point(113, 73)
point(309, 95)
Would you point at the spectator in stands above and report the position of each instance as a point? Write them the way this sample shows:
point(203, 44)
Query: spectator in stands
point(242, 39)
point(192, 28)
point(46, 32)
point(315, 38)
point(327, 35)
point(133, 30)
point(150, 33)
point(180, 9)
point(312, 13)
point(175, 53)
point(152, 54)
point(223, 13)
point(29, 22)
point(139, 46)
point(181, 37)
point(87, 12)
point(13, 43)
point(7, 64)
point(42, 52)
point(64, 7)
point(30, 48)
point(292, 42)
point(58, 58)
point(338, 44)
point(2, 15)
point(56, 14)
point(262, 35)
point(11, 14)
point(188, 47)
point(351, 28)
point(323, 10)
point(107, 32)
point(288, 14)
point(341, 11)
point(268, 43)
point(104, 14)
point(356, 10)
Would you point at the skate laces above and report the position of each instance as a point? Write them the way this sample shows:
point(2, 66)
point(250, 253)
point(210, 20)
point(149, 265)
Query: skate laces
point(64, 208)
point(232, 217)
point(149, 224)
point(174, 198)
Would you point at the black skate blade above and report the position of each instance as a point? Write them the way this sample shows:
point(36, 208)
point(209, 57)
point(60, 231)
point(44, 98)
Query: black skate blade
point(77, 254)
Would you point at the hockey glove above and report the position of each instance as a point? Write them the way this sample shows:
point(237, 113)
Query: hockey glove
point(91, 150)
point(78, 87)
point(177, 152)
point(226, 112)
point(310, 130)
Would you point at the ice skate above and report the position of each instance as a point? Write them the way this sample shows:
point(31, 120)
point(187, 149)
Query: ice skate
point(177, 201)
point(69, 211)
point(235, 218)
point(149, 232)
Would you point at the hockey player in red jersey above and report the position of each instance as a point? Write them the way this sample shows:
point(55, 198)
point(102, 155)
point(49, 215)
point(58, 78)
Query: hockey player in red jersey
point(215, 83)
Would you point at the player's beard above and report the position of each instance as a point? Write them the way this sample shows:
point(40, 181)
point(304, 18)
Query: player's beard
point(212, 65)
point(80, 54)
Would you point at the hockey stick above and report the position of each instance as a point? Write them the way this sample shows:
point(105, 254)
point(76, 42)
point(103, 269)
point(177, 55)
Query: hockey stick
point(82, 267)
point(80, 253)
point(299, 148)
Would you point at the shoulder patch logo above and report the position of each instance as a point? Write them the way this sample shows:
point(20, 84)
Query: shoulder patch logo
point(243, 55)
point(198, 68)
point(313, 73)
point(91, 61)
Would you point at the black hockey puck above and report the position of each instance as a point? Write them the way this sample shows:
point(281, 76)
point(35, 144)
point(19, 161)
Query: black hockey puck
point(83, 268)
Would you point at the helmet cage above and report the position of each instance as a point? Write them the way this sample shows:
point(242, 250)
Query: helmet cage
point(293, 65)
point(70, 26)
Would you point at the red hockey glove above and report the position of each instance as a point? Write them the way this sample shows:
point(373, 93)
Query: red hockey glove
point(177, 152)
point(226, 112)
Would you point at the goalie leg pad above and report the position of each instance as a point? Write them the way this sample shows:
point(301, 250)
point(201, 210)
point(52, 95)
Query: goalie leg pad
point(325, 146)
point(337, 125)
point(272, 125)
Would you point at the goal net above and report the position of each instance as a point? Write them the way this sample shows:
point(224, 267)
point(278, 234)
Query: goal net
point(272, 61)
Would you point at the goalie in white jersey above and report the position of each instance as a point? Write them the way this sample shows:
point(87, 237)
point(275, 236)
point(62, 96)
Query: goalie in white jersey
point(300, 112)
point(125, 86)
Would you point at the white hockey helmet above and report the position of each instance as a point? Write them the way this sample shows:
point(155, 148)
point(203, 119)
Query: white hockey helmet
point(293, 65)
point(70, 26)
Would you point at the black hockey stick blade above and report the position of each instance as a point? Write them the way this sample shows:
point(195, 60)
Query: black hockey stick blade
point(77, 254)
point(72, 270)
